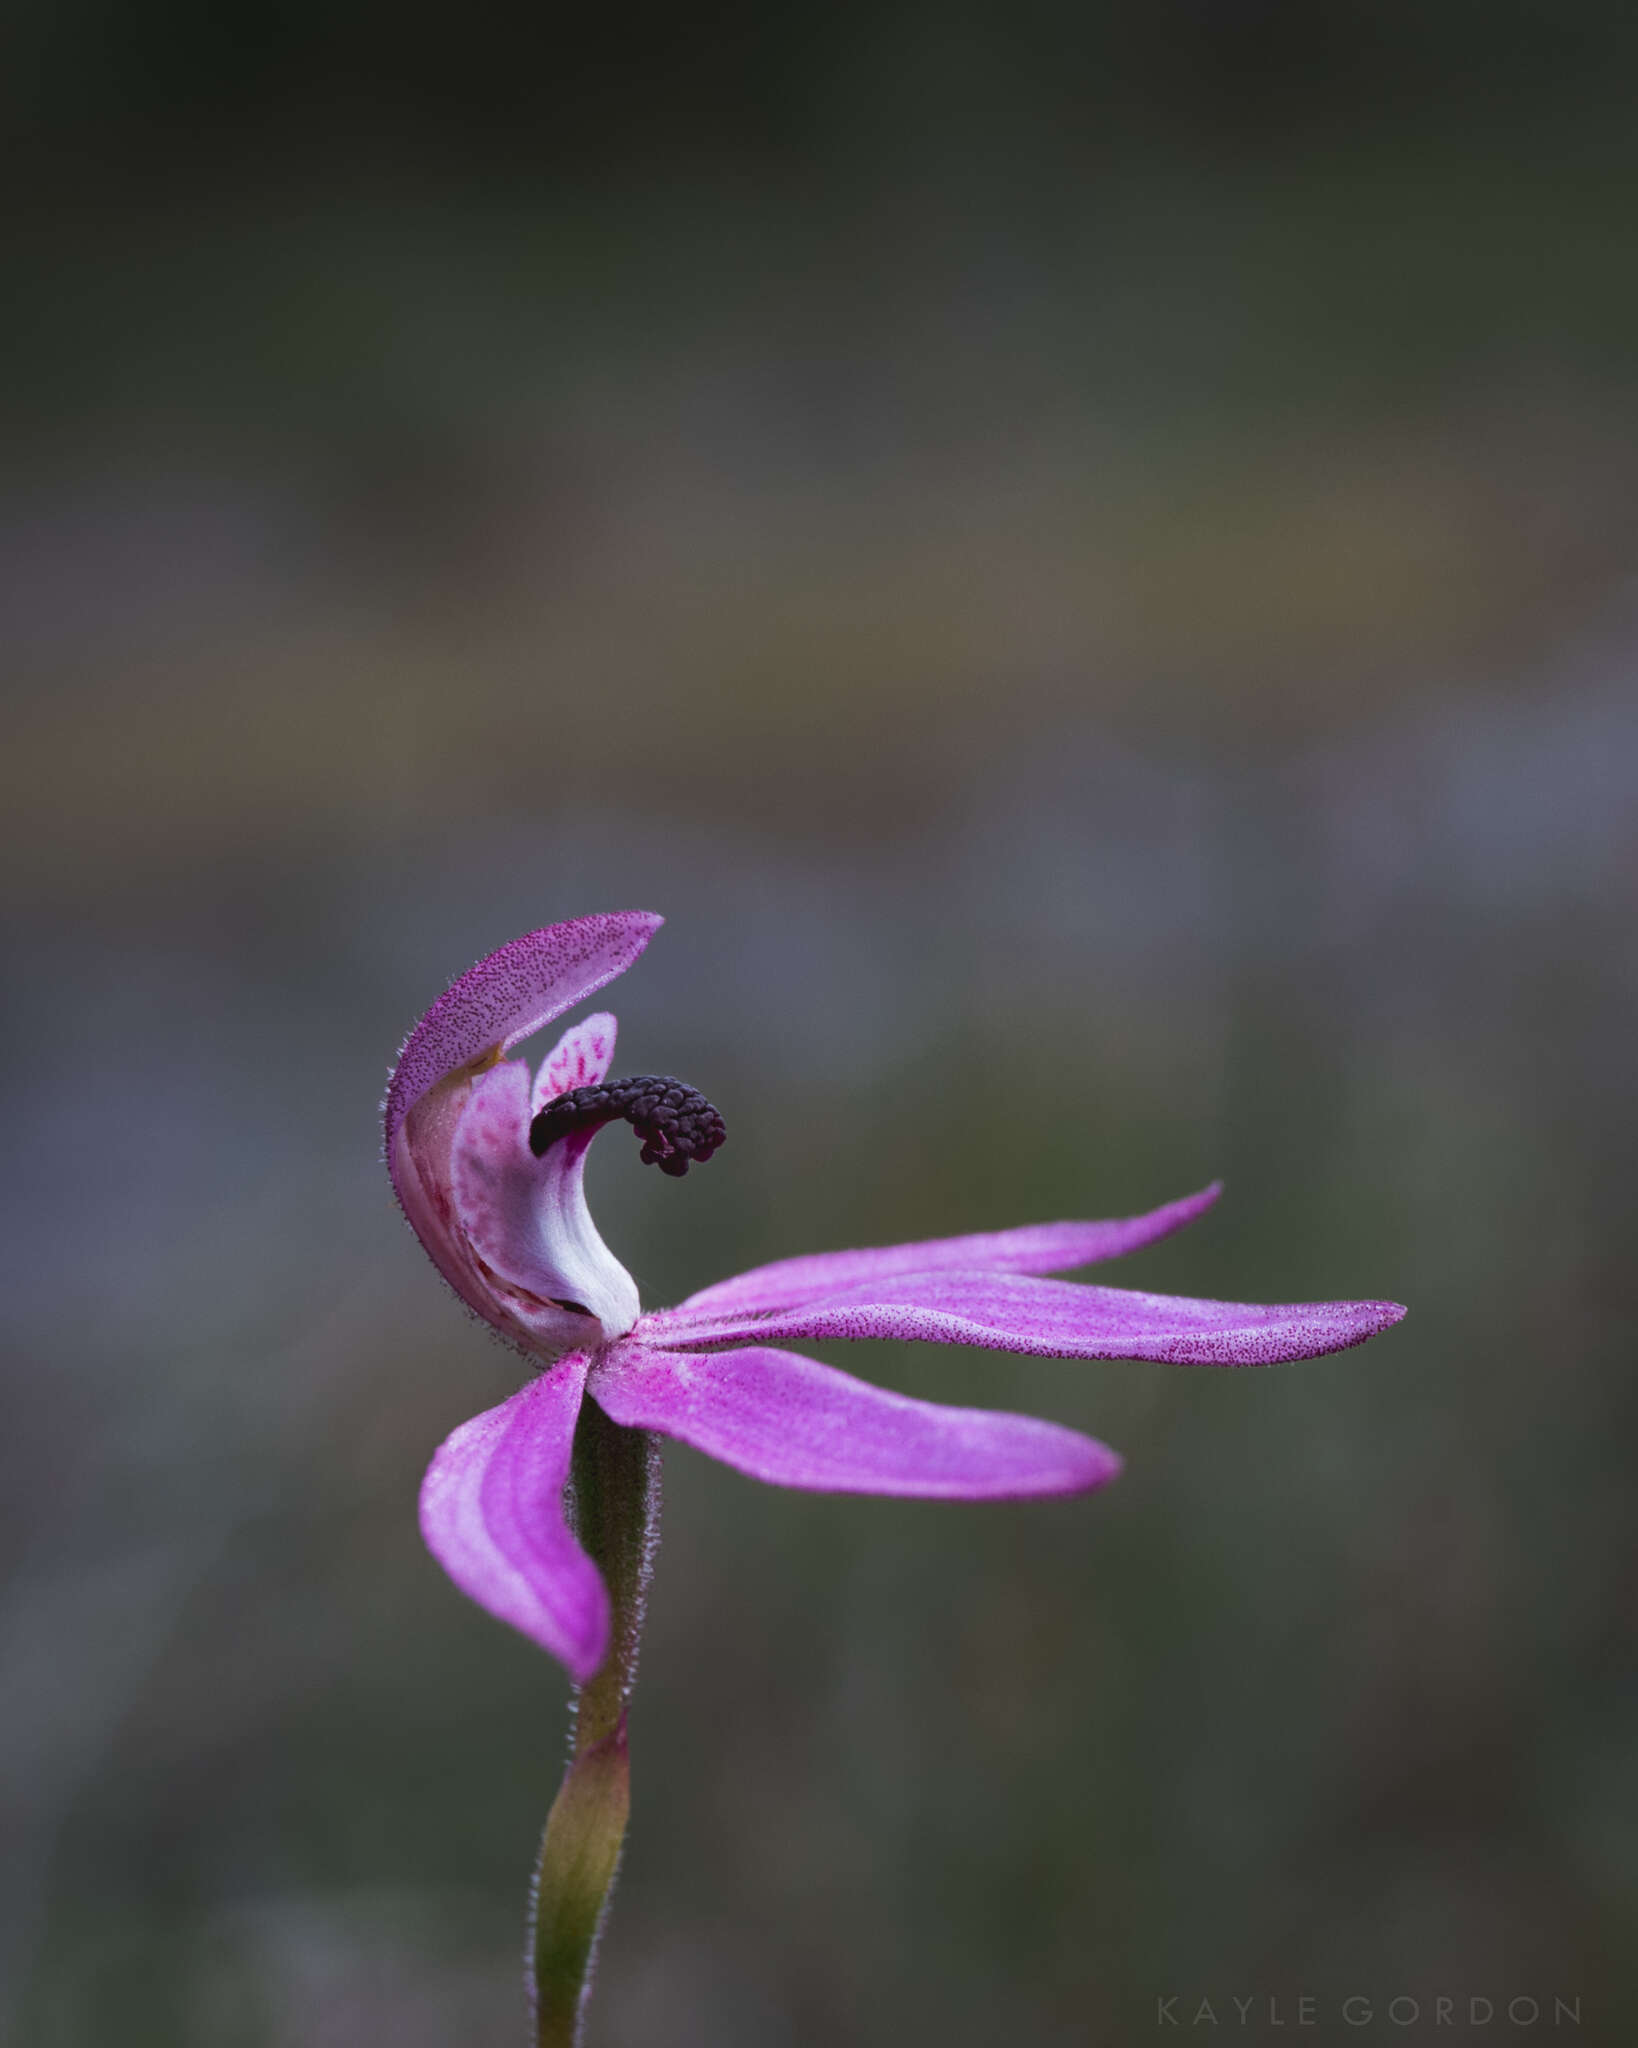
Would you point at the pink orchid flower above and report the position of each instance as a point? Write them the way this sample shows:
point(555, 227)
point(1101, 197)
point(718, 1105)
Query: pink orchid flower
point(488, 1164)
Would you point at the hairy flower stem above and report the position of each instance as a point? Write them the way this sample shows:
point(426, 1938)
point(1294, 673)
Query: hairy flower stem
point(614, 1490)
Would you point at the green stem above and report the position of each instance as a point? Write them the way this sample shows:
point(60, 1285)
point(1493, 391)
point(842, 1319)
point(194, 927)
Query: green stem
point(615, 1501)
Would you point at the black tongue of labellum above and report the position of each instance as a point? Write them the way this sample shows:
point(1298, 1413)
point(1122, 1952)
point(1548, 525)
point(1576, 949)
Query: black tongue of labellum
point(674, 1121)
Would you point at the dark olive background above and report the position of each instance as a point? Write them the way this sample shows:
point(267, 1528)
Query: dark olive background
point(1084, 558)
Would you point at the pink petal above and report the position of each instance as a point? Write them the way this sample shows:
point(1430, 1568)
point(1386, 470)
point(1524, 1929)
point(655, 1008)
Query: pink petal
point(1035, 1248)
point(580, 1059)
point(493, 1173)
point(511, 993)
point(527, 1219)
point(1061, 1319)
point(793, 1422)
point(492, 1515)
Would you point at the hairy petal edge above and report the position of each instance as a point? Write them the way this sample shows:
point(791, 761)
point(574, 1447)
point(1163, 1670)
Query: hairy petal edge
point(492, 1515)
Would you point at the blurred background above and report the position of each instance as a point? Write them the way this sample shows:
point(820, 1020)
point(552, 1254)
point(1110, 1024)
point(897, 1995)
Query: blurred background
point(1084, 557)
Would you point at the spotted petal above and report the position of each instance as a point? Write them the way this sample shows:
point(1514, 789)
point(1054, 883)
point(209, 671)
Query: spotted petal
point(492, 1515)
point(1060, 1319)
point(788, 1420)
point(511, 993)
point(527, 1219)
point(580, 1059)
point(1034, 1248)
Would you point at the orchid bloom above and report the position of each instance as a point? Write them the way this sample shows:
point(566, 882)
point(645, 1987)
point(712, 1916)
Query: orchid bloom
point(488, 1164)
